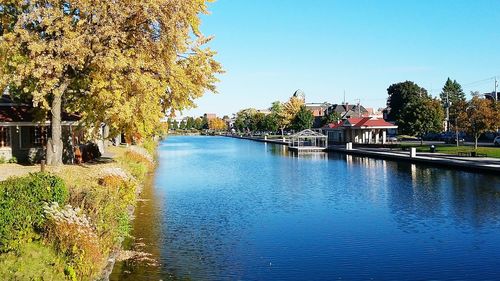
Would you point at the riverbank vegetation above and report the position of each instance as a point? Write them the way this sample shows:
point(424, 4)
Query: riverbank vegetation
point(67, 221)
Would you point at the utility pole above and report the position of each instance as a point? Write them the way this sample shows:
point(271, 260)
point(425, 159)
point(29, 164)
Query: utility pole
point(357, 105)
point(447, 112)
point(496, 87)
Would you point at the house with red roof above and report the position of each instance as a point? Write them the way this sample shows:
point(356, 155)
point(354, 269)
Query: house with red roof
point(367, 130)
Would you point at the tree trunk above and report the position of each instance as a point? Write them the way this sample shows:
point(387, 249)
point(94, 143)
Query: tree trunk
point(476, 137)
point(456, 135)
point(55, 144)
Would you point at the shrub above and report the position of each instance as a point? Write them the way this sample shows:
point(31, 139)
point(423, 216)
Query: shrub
point(138, 170)
point(111, 181)
point(33, 261)
point(74, 236)
point(141, 154)
point(137, 164)
point(13, 160)
point(115, 202)
point(114, 171)
point(107, 205)
point(150, 145)
point(2, 160)
point(21, 207)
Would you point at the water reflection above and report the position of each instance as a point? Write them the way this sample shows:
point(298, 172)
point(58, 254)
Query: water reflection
point(226, 209)
point(145, 236)
point(282, 150)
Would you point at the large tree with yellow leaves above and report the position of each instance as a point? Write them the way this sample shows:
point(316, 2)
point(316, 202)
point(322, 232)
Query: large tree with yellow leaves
point(125, 63)
point(291, 108)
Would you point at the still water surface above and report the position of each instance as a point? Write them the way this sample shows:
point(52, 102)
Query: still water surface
point(230, 209)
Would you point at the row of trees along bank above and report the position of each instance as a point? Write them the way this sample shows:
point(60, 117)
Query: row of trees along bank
point(290, 115)
point(417, 113)
point(125, 64)
point(408, 105)
point(198, 123)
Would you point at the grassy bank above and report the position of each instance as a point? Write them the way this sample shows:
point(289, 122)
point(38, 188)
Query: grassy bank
point(453, 149)
point(63, 224)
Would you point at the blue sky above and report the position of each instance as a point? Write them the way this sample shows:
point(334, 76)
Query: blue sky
point(270, 48)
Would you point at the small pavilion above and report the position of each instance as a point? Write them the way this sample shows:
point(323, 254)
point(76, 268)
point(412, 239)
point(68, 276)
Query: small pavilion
point(308, 141)
point(364, 130)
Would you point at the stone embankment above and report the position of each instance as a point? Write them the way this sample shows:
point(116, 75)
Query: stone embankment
point(475, 164)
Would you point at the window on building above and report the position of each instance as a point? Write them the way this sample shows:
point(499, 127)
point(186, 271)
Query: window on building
point(40, 136)
point(4, 136)
point(33, 136)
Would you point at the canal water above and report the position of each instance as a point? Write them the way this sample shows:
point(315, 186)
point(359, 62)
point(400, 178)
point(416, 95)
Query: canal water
point(230, 209)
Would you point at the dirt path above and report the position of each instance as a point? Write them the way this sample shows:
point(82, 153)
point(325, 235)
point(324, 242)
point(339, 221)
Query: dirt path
point(9, 170)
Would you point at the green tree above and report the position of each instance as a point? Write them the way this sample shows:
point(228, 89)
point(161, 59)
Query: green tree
point(401, 94)
point(303, 119)
point(257, 122)
point(190, 123)
point(277, 115)
point(204, 123)
point(332, 117)
point(243, 121)
point(115, 62)
point(413, 110)
point(182, 125)
point(175, 125)
point(169, 122)
point(271, 123)
point(421, 116)
point(198, 123)
point(452, 97)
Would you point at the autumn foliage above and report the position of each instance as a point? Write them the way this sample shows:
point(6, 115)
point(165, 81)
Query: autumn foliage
point(217, 124)
point(124, 63)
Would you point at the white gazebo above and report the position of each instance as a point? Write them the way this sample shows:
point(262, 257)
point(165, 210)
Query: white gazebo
point(308, 141)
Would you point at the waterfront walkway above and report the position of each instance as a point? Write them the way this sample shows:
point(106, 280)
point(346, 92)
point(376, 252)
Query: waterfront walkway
point(481, 164)
point(470, 163)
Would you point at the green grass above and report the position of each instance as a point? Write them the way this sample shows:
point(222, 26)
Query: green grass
point(34, 261)
point(275, 136)
point(453, 149)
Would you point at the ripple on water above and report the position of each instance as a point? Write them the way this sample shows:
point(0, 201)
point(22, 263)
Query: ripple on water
point(229, 209)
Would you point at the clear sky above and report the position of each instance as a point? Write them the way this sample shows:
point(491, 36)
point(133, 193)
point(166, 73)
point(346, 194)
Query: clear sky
point(270, 48)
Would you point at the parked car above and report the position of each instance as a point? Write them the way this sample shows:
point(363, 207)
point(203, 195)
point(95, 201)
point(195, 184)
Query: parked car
point(392, 139)
point(496, 141)
point(409, 138)
point(453, 140)
point(431, 137)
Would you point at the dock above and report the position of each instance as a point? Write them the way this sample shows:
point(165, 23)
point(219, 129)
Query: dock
point(307, 149)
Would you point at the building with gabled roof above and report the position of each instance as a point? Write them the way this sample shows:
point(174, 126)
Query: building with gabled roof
point(366, 130)
point(318, 110)
point(348, 110)
point(24, 138)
